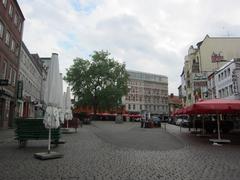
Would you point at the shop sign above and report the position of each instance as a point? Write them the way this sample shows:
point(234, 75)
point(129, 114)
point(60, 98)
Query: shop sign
point(199, 76)
point(20, 90)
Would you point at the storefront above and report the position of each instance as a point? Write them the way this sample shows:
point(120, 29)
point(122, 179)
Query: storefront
point(6, 109)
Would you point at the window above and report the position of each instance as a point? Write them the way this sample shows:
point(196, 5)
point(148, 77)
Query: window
point(140, 107)
point(10, 76)
point(20, 27)
point(219, 77)
point(7, 38)
point(226, 89)
point(10, 11)
point(16, 19)
point(13, 80)
point(17, 50)
point(228, 71)
point(4, 3)
point(4, 70)
point(129, 107)
point(223, 93)
point(225, 74)
point(230, 90)
point(133, 106)
point(1, 29)
point(13, 45)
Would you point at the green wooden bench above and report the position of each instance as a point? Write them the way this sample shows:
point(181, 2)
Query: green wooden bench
point(34, 129)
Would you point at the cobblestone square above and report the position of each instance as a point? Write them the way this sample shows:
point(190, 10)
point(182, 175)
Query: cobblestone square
point(105, 150)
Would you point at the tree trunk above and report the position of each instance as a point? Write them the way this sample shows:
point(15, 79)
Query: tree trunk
point(95, 107)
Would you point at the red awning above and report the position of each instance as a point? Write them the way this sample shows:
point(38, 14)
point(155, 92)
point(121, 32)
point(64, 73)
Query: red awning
point(215, 106)
point(135, 115)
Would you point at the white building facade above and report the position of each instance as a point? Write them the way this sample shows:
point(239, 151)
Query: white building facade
point(227, 80)
point(29, 84)
point(147, 93)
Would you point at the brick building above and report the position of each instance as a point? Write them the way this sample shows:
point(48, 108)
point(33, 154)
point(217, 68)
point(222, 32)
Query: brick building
point(11, 29)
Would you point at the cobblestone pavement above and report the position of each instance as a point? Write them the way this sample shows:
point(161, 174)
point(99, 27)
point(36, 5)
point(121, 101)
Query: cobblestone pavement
point(97, 152)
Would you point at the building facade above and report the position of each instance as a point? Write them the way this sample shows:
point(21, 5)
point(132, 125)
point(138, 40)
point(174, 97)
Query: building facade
point(147, 93)
point(11, 28)
point(30, 81)
point(203, 60)
point(227, 80)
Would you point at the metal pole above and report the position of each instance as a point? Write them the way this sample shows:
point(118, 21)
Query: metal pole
point(49, 133)
point(203, 129)
point(218, 125)
point(180, 126)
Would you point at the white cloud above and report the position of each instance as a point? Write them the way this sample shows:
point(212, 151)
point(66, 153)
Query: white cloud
point(151, 36)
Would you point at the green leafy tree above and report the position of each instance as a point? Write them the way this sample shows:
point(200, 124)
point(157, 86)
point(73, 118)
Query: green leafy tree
point(100, 82)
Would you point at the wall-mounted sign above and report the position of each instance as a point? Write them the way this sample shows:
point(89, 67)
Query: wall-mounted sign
point(217, 57)
point(20, 89)
point(3, 82)
point(199, 76)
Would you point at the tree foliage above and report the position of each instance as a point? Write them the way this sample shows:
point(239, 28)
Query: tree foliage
point(99, 82)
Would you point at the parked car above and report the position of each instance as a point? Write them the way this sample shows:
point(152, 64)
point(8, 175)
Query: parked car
point(157, 121)
point(179, 121)
point(171, 120)
point(182, 122)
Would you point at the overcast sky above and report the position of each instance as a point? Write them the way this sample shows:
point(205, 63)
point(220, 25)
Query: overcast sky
point(148, 35)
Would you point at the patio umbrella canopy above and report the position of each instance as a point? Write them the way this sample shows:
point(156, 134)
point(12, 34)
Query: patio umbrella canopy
point(68, 111)
point(61, 100)
point(214, 106)
point(51, 98)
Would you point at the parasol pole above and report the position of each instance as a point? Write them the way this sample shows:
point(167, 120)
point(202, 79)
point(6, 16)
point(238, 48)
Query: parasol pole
point(218, 125)
point(49, 134)
point(203, 128)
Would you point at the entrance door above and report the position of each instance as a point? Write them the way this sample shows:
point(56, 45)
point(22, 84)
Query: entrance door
point(11, 114)
point(2, 107)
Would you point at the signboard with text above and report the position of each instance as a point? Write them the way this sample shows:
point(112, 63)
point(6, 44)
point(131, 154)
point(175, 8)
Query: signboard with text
point(217, 57)
point(20, 89)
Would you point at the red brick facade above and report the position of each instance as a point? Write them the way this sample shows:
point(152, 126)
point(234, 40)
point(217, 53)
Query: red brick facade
point(11, 28)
